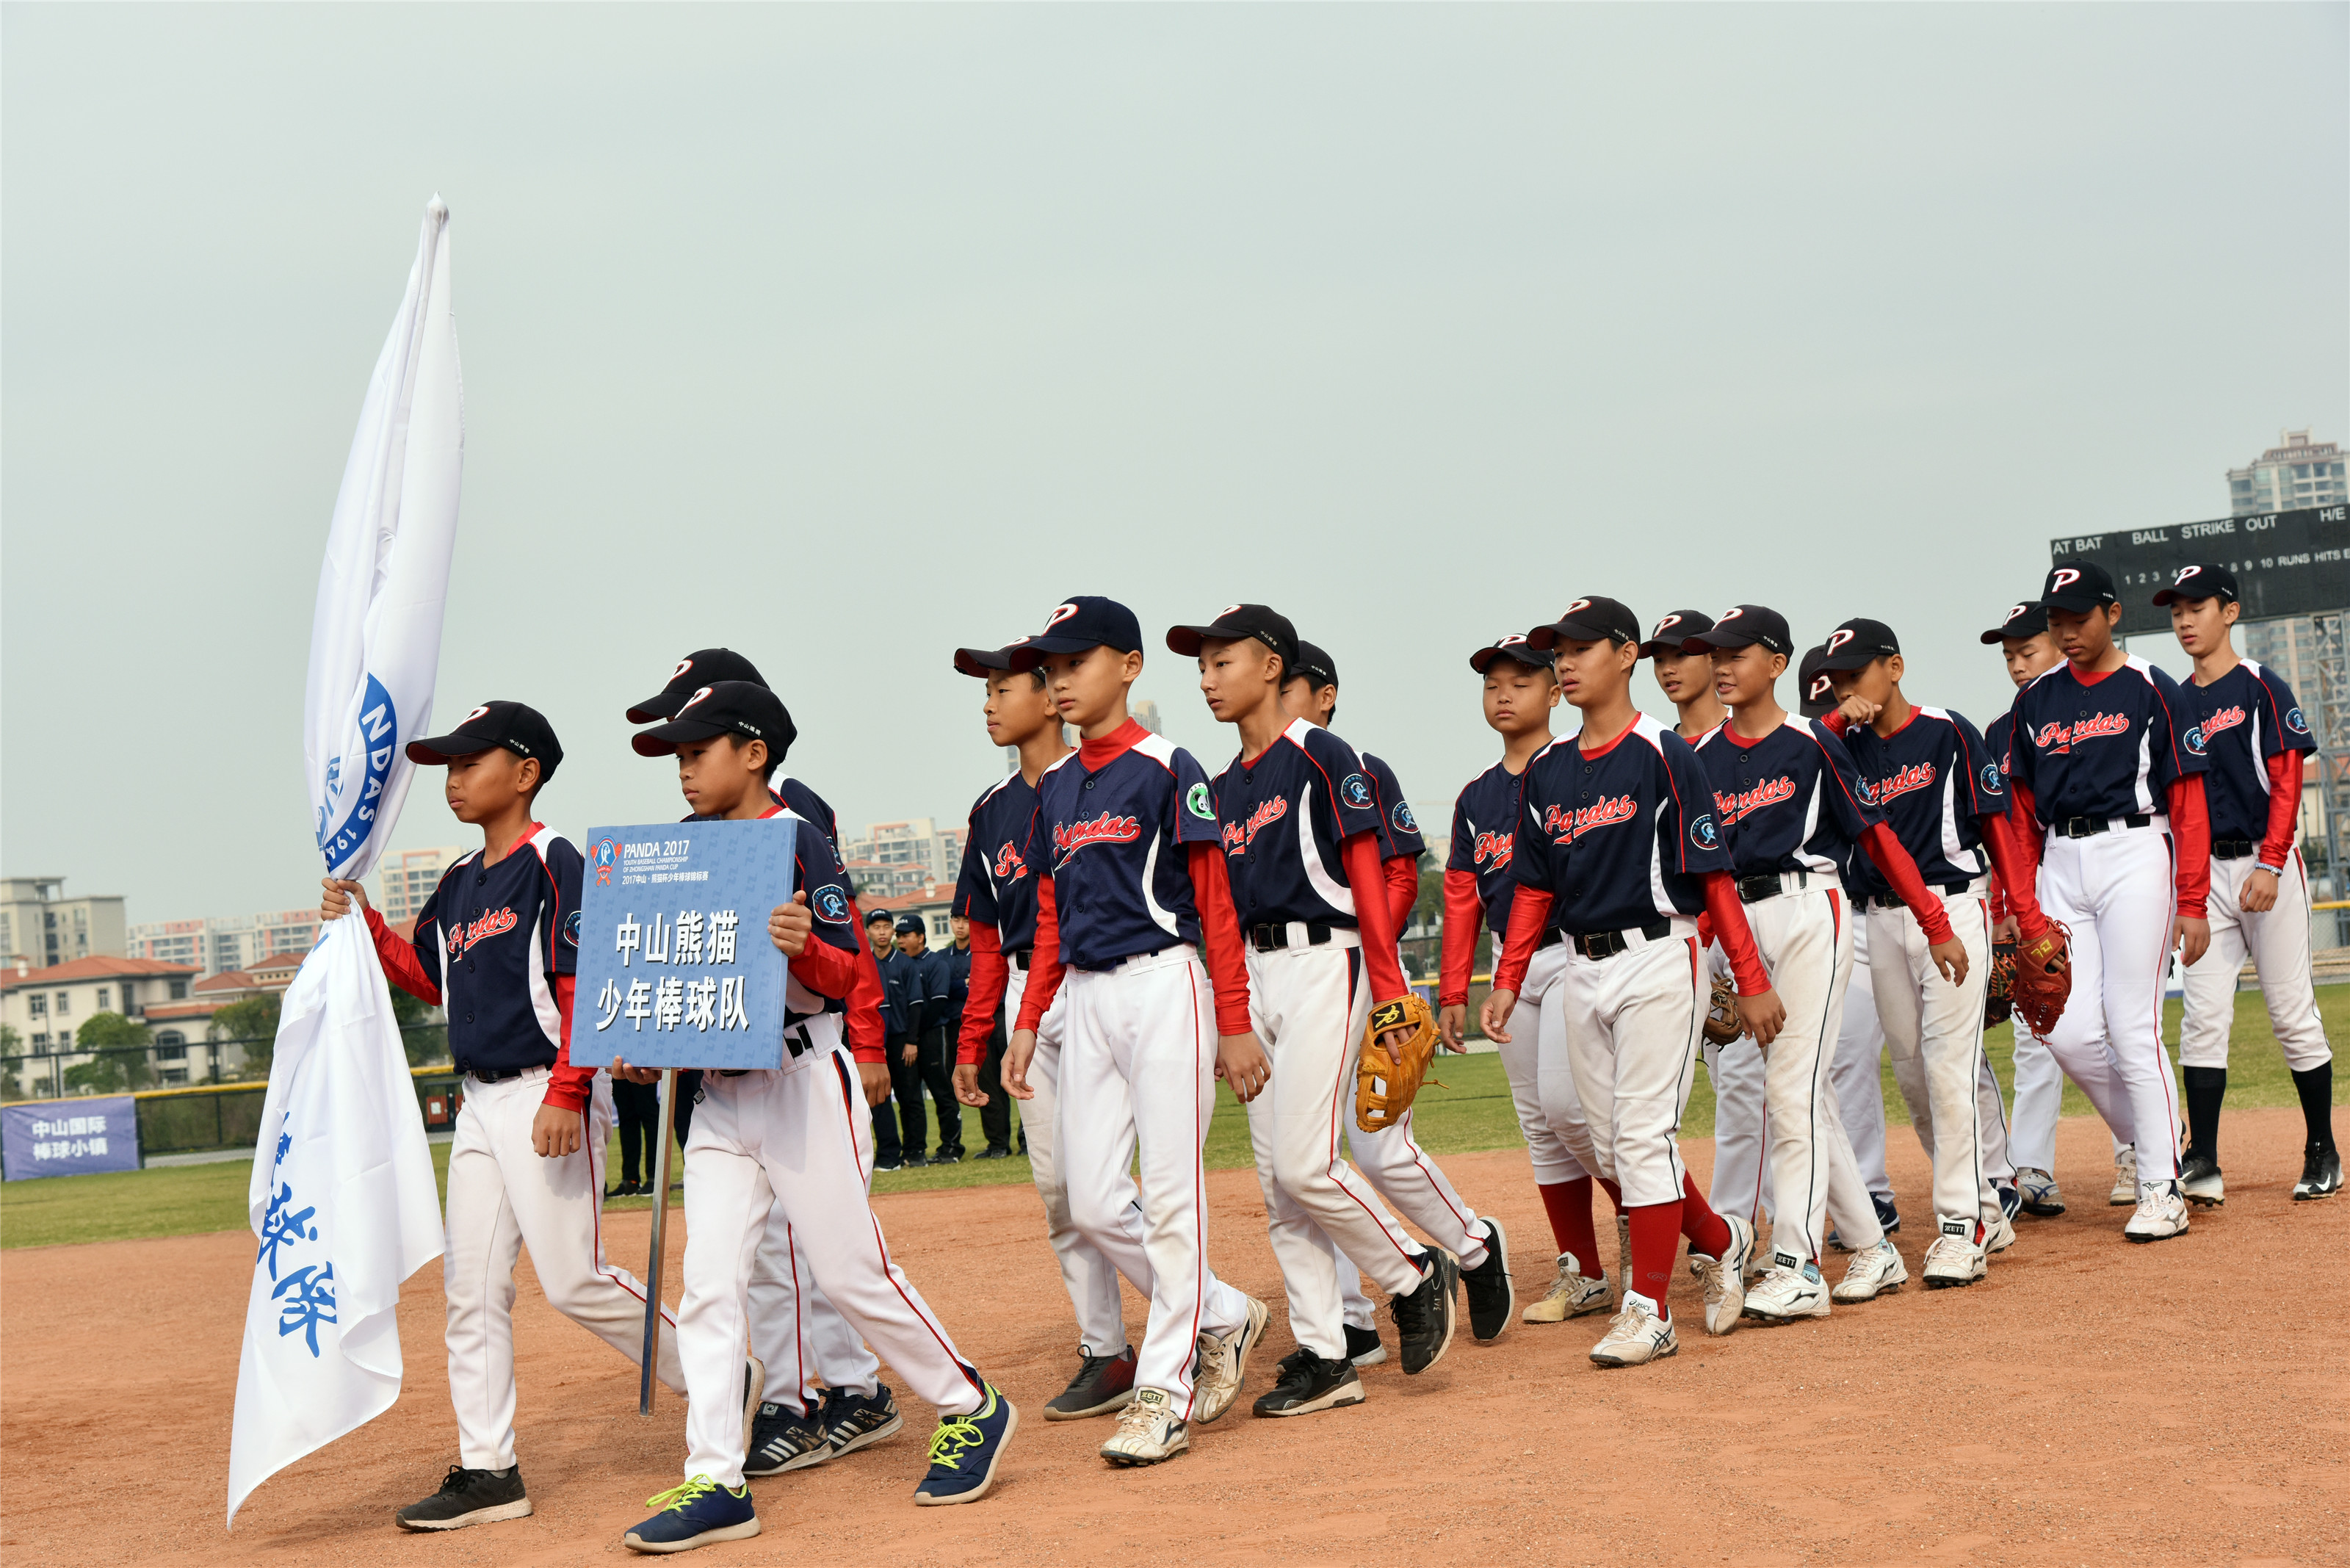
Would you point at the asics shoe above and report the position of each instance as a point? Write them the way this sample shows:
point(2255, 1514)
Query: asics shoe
point(2039, 1190)
point(2124, 1192)
point(1635, 1337)
point(1572, 1294)
point(1725, 1278)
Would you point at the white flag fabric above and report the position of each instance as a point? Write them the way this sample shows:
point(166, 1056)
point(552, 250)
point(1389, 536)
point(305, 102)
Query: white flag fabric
point(343, 1203)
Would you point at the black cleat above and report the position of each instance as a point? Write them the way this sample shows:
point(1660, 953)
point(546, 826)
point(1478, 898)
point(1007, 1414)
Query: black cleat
point(1103, 1387)
point(1363, 1346)
point(2321, 1175)
point(1309, 1382)
point(1492, 1305)
point(468, 1496)
point(994, 1151)
point(1425, 1317)
point(783, 1438)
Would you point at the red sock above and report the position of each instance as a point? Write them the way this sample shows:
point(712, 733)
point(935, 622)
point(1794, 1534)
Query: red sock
point(1614, 1194)
point(1656, 1237)
point(1568, 1204)
point(1707, 1231)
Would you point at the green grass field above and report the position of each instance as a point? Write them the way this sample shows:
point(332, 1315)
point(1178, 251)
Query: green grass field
point(1471, 1111)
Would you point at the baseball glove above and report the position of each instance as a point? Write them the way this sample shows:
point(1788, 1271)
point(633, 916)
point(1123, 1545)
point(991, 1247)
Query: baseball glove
point(1999, 997)
point(1384, 1089)
point(2043, 978)
point(1723, 1023)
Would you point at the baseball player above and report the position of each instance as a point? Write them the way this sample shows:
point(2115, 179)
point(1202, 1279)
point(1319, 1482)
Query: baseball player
point(2253, 735)
point(996, 892)
point(1126, 827)
point(1940, 789)
point(1686, 678)
point(1521, 691)
point(2102, 766)
point(1787, 796)
point(1301, 847)
point(795, 1137)
point(1392, 1161)
point(1617, 845)
point(498, 942)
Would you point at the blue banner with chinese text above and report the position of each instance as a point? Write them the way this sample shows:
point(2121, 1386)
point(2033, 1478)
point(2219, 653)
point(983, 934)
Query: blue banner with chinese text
point(69, 1137)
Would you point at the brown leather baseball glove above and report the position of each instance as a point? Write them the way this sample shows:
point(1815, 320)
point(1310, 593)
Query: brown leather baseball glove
point(1723, 1023)
point(1383, 1089)
point(2043, 978)
point(1999, 997)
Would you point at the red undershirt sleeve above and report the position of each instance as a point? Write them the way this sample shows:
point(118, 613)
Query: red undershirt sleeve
point(1368, 882)
point(1836, 721)
point(990, 976)
point(2190, 829)
point(569, 1087)
point(2285, 809)
point(1463, 913)
point(1403, 890)
point(402, 966)
point(1529, 917)
point(1900, 874)
point(1045, 970)
point(1729, 929)
point(2023, 835)
point(862, 1024)
point(1220, 934)
point(827, 969)
point(2011, 889)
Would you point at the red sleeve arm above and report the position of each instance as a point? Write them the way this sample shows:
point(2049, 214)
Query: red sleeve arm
point(2285, 809)
point(990, 975)
point(1220, 934)
point(2190, 829)
point(2023, 835)
point(1368, 883)
point(1529, 917)
point(1045, 970)
point(570, 1086)
point(2012, 889)
point(1900, 873)
point(1463, 913)
point(1403, 890)
point(403, 968)
point(863, 1023)
point(1737, 938)
point(827, 969)
point(1836, 721)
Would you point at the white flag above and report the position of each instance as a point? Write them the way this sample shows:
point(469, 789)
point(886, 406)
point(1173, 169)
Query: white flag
point(343, 1202)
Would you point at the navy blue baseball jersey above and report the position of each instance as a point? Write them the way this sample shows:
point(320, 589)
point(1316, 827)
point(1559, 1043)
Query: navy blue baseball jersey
point(1789, 801)
point(1933, 778)
point(1484, 821)
point(1113, 842)
point(1620, 837)
point(2109, 746)
point(817, 871)
point(901, 998)
point(1284, 816)
point(489, 936)
point(807, 806)
point(2241, 720)
point(996, 886)
point(1999, 737)
point(1398, 829)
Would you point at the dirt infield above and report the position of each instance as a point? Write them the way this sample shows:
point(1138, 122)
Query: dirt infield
point(2092, 1402)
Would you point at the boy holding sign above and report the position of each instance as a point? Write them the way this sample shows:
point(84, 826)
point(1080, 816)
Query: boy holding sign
point(797, 1135)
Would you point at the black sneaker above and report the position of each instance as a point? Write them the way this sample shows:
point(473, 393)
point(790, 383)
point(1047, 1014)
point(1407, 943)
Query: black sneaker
point(951, 1155)
point(891, 1165)
point(994, 1151)
point(1309, 1382)
point(783, 1438)
point(623, 1190)
point(851, 1420)
point(2321, 1175)
point(1425, 1317)
point(915, 1160)
point(1104, 1384)
point(1363, 1346)
point(468, 1496)
point(1492, 1305)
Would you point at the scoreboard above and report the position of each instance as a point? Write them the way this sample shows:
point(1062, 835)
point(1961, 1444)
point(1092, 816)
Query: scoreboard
point(2286, 562)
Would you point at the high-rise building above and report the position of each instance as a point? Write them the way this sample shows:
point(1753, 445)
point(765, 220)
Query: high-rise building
point(40, 925)
point(904, 855)
point(2296, 472)
point(406, 878)
point(220, 943)
point(1145, 713)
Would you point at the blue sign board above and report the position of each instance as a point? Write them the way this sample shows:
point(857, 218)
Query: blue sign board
point(676, 969)
point(69, 1137)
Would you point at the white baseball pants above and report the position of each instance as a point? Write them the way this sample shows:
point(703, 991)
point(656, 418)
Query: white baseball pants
point(504, 1196)
point(1090, 1278)
point(2118, 892)
point(1551, 1147)
point(800, 1141)
point(1138, 1080)
point(1633, 1023)
point(1309, 1006)
point(1931, 1024)
point(1741, 1168)
point(1856, 1075)
point(795, 1330)
point(2278, 940)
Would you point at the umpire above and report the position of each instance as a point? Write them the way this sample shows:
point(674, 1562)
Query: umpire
point(995, 1116)
point(921, 1059)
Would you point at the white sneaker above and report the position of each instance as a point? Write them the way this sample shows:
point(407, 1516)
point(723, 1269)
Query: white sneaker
point(1573, 1294)
point(1999, 1235)
point(1222, 1363)
point(1725, 1278)
point(1635, 1337)
point(1148, 1431)
point(2124, 1192)
point(2161, 1213)
point(1875, 1271)
point(2041, 1196)
point(1953, 1260)
point(1787, 1293)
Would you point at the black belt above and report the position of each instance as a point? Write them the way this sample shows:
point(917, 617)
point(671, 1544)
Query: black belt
point(795, 1040)
point(1607, 944)
point(1893, 901)
point(2231, 849)
point(1020, 957)
point(2090, 827)
point(1273, 938)
point(1757, 885)
point(494, 1075)
point(1550, 938)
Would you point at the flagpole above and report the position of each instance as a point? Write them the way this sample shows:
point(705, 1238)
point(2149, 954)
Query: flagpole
point(667, 1123)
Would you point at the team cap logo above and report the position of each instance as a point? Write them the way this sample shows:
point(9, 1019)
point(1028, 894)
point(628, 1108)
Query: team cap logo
point(2063, 577)
point(1060, 614)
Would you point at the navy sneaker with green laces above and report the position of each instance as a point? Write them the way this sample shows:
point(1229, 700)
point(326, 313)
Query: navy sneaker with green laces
point(965, 1451)
point(699, 1514)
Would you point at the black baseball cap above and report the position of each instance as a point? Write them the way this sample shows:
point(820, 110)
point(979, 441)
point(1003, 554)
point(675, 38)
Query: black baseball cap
point(911, 925)
point(2028, 619)
point(879, 917)
point(1858, 643)
point(694, 672)
point(740, 708)
point(521, 730)
point(1515, 645)
point(2204, 581)
point(1317, 665)
point(983, 661)
point(1741, 626)
point(2076, 586)
point(1241, 623)
point(1817, 692)
point(1589, 620)
point(1086, 620)
point(1675, 630)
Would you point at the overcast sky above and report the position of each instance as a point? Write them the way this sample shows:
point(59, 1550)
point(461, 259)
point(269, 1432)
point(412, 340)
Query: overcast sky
point(843, 336)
